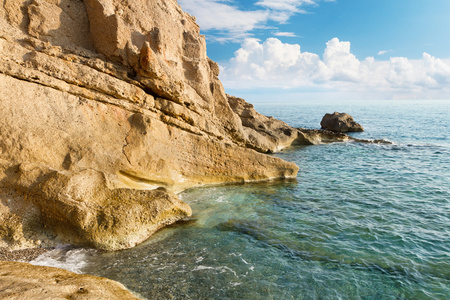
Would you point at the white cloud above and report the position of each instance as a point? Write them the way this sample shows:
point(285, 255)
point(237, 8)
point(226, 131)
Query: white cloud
point(285, 5)
point(287, 34)
point(225, 21)
point(382, 52)
point(273, 64)
point(233, 23)
point(341, 63)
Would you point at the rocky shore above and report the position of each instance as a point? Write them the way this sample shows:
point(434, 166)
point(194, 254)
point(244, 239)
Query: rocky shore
point(108, 109)
point(24, 255)
point(20, 280)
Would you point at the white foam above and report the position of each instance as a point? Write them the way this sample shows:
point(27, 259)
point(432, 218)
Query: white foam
point(65, 257)
point(222, 199)
point(221, 269)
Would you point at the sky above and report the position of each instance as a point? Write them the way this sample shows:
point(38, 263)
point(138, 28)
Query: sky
point(326, 49)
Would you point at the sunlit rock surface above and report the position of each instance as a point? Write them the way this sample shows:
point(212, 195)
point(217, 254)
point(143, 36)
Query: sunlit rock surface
point(24, 281)
point(108, 108)
point(340, 122)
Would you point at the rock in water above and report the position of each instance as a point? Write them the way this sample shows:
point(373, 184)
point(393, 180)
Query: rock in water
point(102, 102)
point(340, 122)
point(265, 134)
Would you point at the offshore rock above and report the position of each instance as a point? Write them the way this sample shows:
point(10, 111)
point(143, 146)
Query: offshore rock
point(25, 281)
point(107, 108)
point(267, 134)
point(340, 122)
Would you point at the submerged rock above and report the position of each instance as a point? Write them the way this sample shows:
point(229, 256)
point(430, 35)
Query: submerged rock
point(340, 122)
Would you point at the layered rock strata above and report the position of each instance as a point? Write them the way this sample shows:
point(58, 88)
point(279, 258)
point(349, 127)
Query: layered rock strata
point(108, 108)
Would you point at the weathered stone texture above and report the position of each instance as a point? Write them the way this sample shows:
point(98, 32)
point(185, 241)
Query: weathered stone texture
point(24, 281)
point(103, 102)
point(340, 122)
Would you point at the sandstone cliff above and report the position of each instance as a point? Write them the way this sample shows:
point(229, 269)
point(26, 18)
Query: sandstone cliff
point(108, 107)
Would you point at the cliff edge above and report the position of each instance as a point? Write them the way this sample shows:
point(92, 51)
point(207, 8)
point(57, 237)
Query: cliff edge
point(108, 108)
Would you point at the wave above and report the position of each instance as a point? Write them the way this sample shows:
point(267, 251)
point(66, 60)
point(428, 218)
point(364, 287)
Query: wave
point(65, 257)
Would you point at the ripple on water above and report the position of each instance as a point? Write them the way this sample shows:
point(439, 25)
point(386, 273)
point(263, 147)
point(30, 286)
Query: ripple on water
point(363, 221)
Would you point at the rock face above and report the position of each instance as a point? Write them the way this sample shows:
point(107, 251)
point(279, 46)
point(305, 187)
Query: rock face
point(340, 122)
point(107, 108)
point(25, 281)
point(265, 134)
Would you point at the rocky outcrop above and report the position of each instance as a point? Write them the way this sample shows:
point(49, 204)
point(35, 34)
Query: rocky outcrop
point(80, 207)
point(340, 122)
point(320, 136)
point(24, 281)
point(108, 108)
point(265, 134)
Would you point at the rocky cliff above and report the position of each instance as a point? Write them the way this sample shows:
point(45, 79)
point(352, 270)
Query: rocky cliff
point(108, 108)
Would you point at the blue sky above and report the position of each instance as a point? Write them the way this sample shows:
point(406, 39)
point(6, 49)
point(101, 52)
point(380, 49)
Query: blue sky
point(313, 49)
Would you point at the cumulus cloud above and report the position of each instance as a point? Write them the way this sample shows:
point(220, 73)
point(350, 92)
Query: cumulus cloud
point(224, 20)
point(273, 64)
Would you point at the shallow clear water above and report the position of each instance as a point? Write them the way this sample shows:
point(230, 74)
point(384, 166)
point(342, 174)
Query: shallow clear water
point(360, 222)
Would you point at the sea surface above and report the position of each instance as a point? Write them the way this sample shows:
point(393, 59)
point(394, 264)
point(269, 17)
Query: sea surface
point(361, 221)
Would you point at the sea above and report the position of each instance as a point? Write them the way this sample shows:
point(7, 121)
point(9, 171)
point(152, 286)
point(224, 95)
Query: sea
point(360, 221)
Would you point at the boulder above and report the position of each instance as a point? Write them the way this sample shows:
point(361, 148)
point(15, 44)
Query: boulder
point(25, 281)
point(340, 122)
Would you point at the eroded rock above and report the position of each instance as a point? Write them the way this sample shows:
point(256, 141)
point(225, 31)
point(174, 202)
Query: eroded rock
point(107, 108)
point(25, 281)
point(266, 134)
point(340, 122)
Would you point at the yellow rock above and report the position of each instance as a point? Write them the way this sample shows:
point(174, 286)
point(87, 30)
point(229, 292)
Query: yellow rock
point(25, 281)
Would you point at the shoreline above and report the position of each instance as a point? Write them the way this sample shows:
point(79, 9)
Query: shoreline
point(22, 255)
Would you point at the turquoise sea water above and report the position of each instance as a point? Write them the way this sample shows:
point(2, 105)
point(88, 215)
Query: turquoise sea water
point(361, 221)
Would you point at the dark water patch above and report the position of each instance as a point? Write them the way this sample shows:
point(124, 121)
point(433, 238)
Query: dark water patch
point(266, 238)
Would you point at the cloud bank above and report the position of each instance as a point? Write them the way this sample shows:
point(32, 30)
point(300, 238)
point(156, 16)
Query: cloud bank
point(273, 64)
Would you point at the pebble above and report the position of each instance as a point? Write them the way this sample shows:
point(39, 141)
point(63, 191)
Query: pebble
point(22, 255)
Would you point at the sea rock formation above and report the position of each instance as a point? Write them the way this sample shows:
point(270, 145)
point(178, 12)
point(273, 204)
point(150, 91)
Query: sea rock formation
point(108, 108)
point(265, 134)
point(25, 281)
point(340, 122)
